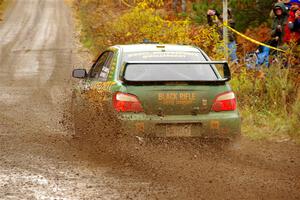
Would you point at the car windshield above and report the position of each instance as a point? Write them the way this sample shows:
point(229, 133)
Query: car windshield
point(167, 71)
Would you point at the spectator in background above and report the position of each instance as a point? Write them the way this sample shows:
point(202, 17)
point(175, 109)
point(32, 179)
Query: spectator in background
point(183, 5)
point(262, 54)
point(215, 19)
point(296, 25)
point(287, 6)
point(292, 29)
point(232, 39)
point(280, 21)
point(286, 3)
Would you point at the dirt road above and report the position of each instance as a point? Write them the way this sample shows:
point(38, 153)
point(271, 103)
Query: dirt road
point(40, 159)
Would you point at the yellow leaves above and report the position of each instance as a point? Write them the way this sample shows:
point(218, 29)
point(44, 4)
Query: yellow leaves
point(102, 23)
point(144, 22)
point(146, 4)
point(206, 38)
point(141, 23)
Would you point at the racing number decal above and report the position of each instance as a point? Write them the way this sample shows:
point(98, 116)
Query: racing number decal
point(100, 91)
point(103, 86)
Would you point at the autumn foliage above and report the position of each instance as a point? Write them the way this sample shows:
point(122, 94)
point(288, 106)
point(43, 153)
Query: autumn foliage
point(260, 33)
point(2, 7)
point(144, 21)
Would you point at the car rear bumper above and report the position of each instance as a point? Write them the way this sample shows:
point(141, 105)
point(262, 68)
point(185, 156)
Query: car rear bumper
point(225, 124)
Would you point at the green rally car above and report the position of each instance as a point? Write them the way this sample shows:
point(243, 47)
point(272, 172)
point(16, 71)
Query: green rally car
point(162, 90)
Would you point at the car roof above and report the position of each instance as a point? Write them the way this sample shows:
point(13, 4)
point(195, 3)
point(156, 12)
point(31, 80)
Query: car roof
point(156, 47)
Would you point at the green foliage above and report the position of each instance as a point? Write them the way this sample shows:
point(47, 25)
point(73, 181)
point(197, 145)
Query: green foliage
point(251, 13)
point(200, 10)
point(247, 13)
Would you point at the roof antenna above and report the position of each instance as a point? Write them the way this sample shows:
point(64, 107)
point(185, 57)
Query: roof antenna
point(147, 41)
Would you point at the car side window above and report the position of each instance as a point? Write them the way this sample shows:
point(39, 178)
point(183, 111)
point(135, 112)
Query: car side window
point(106, 67)
point(97, 67)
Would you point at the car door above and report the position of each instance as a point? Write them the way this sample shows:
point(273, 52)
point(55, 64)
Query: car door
point(96, 92)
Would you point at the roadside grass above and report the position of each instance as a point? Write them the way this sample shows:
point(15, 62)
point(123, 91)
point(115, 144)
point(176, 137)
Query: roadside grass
point(86, 36)
point(269, 126)
point(269, 102)
point(94, 22)
point(269, 99)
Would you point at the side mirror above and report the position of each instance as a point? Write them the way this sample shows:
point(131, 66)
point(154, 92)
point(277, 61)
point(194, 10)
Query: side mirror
point(79, 73)
point(226, 71)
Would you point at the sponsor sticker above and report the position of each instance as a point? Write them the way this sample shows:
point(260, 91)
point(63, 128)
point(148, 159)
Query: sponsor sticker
point(184, 98)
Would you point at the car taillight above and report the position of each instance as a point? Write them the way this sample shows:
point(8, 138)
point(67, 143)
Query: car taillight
point(224, 102)
point(124, 102)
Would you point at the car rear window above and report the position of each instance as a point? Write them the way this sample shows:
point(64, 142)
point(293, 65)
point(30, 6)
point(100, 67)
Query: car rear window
point(166, 71)
point(169, 72)
point(164, 56)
